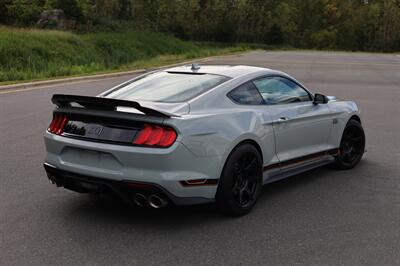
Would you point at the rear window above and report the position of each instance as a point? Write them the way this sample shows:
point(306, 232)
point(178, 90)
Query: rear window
point(167, 87)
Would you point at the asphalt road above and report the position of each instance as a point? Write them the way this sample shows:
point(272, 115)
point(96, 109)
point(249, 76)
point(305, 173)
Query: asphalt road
point(320, 217)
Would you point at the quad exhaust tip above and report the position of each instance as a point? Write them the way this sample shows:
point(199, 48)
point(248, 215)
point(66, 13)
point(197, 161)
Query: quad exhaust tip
point(156, 201)
point(153, 200)
point(140, 200)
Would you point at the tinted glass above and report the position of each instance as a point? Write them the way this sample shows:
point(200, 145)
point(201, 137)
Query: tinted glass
point(278, 90)
point(167, 87)
point(246, 94)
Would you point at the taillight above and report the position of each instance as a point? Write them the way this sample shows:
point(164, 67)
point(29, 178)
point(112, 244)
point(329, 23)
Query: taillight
point(152, 135)
point(58, 124)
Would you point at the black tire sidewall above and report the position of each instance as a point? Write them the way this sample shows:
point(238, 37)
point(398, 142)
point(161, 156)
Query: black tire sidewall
point(224, 197)
point(338, 163)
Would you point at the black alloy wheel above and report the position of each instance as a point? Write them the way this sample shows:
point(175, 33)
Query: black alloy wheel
point(245, 180)
point(352, 146)
point(241, 181)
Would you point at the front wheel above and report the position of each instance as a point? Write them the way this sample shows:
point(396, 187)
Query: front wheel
point(241, 181)
point(352, 146)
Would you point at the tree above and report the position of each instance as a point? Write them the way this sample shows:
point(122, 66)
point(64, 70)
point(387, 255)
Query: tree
point(335, 24)
point(24, 12)
point(389, 26)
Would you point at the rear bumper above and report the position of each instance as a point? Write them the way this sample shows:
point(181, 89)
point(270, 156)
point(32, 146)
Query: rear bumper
point(165, 169)
point(123, 189)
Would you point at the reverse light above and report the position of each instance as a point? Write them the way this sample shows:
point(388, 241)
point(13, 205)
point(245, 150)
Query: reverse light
point(58, 124)
point(152, 135)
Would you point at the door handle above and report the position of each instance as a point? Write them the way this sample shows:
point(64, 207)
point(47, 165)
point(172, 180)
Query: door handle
point(282, 119)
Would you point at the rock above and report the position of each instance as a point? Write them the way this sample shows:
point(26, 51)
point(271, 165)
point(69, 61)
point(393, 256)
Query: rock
point(55, 19)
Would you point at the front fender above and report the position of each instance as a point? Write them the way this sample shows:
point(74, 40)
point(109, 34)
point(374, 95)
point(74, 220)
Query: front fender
point(342, 112)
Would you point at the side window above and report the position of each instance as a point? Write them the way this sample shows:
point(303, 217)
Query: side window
point(279, 90)
point(246, 94)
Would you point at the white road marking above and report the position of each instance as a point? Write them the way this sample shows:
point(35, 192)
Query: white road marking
point(51, 86)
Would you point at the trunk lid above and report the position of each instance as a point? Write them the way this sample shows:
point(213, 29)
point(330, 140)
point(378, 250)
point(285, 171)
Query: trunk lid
point(108, 120)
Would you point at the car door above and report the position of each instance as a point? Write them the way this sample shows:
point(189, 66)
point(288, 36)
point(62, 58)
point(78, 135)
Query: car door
point(301, 128)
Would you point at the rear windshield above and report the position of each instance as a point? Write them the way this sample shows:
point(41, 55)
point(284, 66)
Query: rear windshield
point(167, 87)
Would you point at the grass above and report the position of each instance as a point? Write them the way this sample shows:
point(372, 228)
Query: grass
point(30, 54)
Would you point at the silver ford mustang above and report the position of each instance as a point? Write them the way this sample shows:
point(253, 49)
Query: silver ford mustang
point(198, 134)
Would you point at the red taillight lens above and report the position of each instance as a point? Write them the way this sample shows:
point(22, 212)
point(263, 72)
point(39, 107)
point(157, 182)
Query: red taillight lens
point(58, 124)
point(152, 135)
point(143, 135)
point(168, 138)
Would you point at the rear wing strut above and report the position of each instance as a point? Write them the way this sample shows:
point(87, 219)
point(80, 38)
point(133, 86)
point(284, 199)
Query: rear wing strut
point(106, 104)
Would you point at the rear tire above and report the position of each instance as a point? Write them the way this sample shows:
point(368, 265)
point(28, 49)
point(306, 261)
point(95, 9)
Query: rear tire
point(241, 181)
point(352, 146)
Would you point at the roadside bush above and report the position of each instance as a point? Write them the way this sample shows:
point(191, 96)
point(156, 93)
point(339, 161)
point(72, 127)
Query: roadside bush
point(324, 39)
point(274, 35)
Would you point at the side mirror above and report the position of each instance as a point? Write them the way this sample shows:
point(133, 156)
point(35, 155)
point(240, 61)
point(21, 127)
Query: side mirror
point(320, 98)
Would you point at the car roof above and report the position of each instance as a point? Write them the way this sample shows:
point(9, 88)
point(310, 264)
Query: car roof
point(224, 70)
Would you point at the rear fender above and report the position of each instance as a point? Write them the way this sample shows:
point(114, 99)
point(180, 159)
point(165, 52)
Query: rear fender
point(216, 135)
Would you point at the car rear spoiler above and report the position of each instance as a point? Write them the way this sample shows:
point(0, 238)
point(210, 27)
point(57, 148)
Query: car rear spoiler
point(105, 104)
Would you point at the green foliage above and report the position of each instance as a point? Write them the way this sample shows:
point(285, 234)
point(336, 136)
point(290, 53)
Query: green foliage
point(36, 54)
point(4, 17)
point(274, 35)
point(332, 24)
point(24, 12)
point(372, 25)
point(323, 39)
